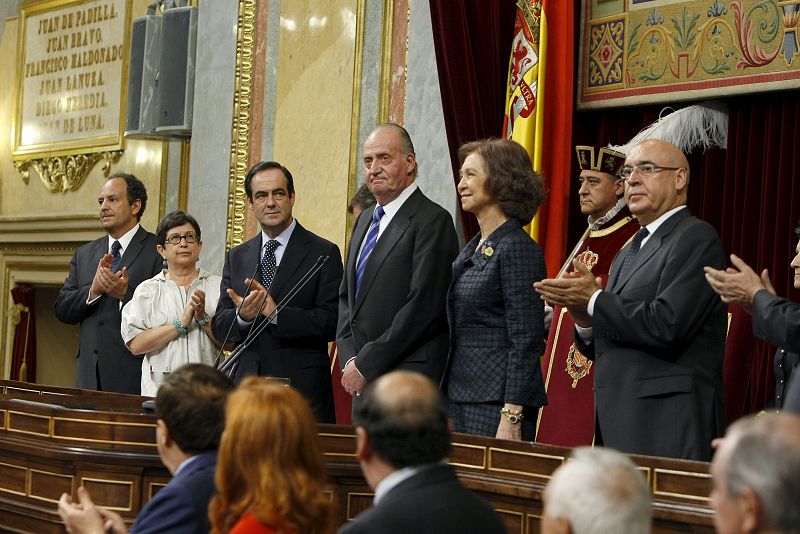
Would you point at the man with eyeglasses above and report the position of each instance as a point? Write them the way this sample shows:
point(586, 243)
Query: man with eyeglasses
point(657, 332)
point(568, 418)
point(102, 277)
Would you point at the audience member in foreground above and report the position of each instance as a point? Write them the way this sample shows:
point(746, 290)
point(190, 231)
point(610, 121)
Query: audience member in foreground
point(775, 319)
point(402, 443)
point(190, 408)
point(598, 491)
point(271, 474)
point(493, 379)
point(756, 476)
point(657, 331)
point(168, 320)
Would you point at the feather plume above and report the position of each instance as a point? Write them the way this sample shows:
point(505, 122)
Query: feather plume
point(703, 125)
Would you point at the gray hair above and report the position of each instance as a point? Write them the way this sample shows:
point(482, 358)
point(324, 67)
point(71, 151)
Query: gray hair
point(600, 491)
point(765, 457)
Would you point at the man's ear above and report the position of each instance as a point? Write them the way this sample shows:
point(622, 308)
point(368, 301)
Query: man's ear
point(750, 510)
point(136, 206)
point(363, 446)
point(163, 436)
point(619, 187)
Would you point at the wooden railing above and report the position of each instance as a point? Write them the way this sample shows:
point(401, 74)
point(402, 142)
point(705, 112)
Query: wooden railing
point(54, 439)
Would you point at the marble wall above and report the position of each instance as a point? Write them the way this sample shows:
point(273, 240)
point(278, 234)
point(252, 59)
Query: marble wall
point(210, 160)
point(424, 118)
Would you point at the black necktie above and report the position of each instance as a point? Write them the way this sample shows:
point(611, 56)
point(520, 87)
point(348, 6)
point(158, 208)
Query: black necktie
point(116, 256)
point(269, 263)
point(630, 254)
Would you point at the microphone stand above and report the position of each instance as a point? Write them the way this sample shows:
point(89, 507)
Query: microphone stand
point(228, 366)
point(218, 359)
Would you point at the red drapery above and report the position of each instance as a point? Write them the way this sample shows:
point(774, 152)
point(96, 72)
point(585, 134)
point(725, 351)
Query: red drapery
point(23, 356)
point(473, 42)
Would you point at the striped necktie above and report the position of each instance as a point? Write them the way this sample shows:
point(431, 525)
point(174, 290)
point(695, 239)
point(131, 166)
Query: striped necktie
point(369, 244)
point(630, 254)
point(116, 246)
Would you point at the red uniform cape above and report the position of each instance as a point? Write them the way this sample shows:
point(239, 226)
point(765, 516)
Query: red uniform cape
point(568, 418)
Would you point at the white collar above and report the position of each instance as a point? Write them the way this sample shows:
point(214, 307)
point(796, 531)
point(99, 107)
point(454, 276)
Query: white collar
point(391, 208)
point(283, 237)
point(125, 240)
point(653, 226)
point(392, 480)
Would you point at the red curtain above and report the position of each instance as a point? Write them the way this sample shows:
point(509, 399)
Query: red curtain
point(750, 193)
point(473, 42)
point(23, 356)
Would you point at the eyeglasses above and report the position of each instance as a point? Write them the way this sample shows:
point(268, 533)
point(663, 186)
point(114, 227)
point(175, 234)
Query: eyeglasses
point(644, 168)
point(175, 239)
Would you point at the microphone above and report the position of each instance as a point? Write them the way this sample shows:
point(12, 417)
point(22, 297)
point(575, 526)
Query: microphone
point(228, 365)
point(218, 359)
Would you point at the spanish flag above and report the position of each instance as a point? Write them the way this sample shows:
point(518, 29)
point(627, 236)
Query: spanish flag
point(539, 107)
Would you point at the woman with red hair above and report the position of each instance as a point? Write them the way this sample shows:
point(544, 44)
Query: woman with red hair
point(270, 472)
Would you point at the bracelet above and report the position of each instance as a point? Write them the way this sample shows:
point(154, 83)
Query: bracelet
point(204, 321)
point(179, 328)
point(514, 418)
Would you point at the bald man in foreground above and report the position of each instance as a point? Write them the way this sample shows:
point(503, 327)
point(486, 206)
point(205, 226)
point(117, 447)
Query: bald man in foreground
point(403, 440)
point(657, 332)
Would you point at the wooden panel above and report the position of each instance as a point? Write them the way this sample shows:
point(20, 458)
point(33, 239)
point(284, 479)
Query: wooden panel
point(111, 494)
point(338, 444)
point(28, 423)
point(110, 432)
point(13, 479)
point(514, 521)
point(530, 464)
point(48, 486)
point(682, 484)
point(357, 502)
point(467, 455)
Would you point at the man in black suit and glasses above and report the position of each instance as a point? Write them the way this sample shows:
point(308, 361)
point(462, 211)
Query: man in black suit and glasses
point(295, 343)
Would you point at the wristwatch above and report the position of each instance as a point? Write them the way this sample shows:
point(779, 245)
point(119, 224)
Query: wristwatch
point(513, 417)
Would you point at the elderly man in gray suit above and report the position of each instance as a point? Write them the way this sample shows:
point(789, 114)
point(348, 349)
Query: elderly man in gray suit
point(392, 298)
point(657, 332)
point(102, 277)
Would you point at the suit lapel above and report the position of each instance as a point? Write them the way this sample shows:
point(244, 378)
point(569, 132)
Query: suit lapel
point(296, 251)
point(386, 243)
point(647, 250)
point(359, 232)
point(134, 248)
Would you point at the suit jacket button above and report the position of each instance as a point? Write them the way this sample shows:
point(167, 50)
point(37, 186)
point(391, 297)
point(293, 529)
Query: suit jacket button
point(354, 324)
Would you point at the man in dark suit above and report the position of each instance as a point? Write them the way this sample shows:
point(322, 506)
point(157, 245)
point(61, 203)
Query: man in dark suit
point(392, 299)
point(102, 277)
point(190, 406)
point(295, 343)
point(775, 319)
point(402, 443)
point(657, 332)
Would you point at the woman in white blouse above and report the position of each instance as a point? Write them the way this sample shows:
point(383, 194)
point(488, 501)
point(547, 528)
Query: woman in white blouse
point(168, 320)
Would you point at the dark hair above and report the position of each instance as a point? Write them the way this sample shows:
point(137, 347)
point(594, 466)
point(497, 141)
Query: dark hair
point(191, 402)
point(363, 198)
point(406, 146)
point(172, 220)
point(265, 166)
point(407, 430)
point(135, 191)
point(510, 178)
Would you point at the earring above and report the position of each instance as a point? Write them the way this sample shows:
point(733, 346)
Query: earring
point(164, 263)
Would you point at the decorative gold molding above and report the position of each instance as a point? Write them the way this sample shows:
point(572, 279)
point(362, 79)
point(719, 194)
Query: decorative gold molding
point(240, 134)
point(384, 92)
point(67, 173)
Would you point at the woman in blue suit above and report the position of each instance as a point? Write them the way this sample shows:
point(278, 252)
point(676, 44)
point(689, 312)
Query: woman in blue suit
point(493, 380)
